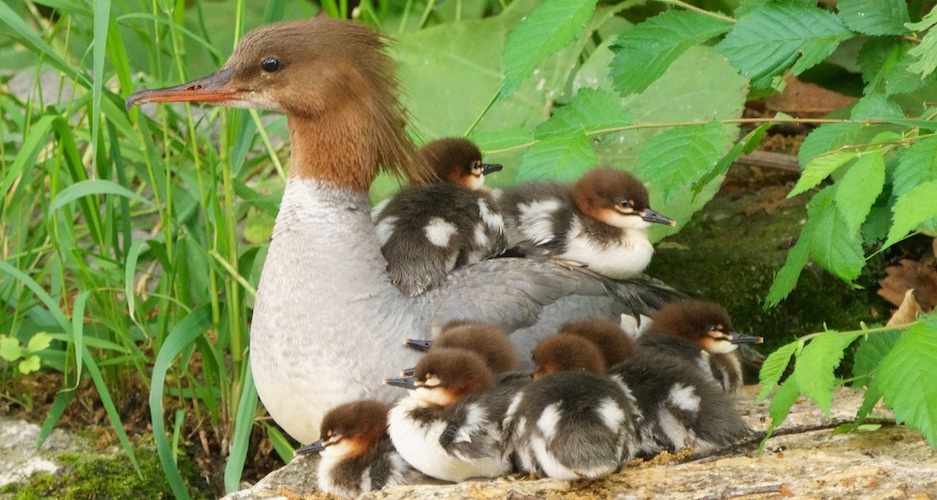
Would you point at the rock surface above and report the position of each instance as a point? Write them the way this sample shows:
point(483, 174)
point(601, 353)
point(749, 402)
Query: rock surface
point(18, 455)
point(804, 459)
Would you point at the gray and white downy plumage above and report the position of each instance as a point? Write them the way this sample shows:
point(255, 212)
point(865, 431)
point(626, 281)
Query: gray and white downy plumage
point(426, 231)
point(357, 455)
point(600, 221)
point(571, 424)
point(450, 425)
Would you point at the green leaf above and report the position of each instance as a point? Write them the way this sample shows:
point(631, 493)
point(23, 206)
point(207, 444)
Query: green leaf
point(820, 168)
point(773, 368)
point(876, 106)
point(680, 156)
point(814, 368)
point(918, 164)
point(488, 140)
point(781, 403)
point(29, 365)
point(644, 52)
point(911, 210)
point(93, 187)
point(744, 146)
point(10, 349)
point(830, 136)
point(590, 110)
point(772, 37)
point(547, 29)
point(906, 380)
point(563, 158)
point(857, 190)
point(244, 424)
point(925, 53)
point(39, 342)
point(875, 17)
point(787, 277)
point(833, 245)
point(869, 355)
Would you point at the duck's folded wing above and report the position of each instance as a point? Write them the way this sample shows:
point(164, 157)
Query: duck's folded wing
point(533, 298)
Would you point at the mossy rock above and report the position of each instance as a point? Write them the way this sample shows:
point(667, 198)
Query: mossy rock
point(730, 252)
point(93, 475)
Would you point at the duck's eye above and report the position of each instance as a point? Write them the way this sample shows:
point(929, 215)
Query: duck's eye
point(270, 65)
point(625, 203)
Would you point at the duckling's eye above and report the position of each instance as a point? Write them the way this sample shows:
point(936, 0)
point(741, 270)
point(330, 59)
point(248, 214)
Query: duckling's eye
point(624, 203)
point(270, 64)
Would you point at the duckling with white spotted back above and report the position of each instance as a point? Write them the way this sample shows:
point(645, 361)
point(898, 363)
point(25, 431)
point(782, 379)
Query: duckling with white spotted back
point(571, 424)
point(357, 455)
point(600, 221)
point(426, 231)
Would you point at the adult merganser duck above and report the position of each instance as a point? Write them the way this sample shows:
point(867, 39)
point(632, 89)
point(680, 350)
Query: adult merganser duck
point(600, 221)
point(613, 342)
point(679, 405)
point(327, 320)
point(426, 231)
point(572, 424)
point(449, 427)
point(357, 455)
point(700, 332)
point(488, 341)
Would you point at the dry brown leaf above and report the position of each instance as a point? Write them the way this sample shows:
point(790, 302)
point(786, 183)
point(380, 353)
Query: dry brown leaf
point(908, 275)
point(809, 100)
point(907, 312)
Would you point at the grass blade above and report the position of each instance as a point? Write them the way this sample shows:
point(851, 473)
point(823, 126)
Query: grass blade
point(244, 423)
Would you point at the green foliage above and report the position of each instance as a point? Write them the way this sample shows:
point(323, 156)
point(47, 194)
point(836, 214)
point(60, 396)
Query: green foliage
point(120, 230)
point(27, 359)
point(906, 379)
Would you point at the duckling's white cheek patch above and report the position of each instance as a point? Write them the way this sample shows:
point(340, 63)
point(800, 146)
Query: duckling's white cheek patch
point(439, 231)
point(684, 397)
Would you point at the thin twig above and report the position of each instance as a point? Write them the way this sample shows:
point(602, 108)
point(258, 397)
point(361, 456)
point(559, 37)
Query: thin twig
point(704, 12)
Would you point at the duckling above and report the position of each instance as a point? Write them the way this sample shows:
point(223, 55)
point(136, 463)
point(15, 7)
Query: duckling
point(425, 231)
point(600, 222)
point(700, 332)
point(357, 454)
point(679, 406)
point(571, 424)
point(613, 343)
point(487, 340)
point(449, 426)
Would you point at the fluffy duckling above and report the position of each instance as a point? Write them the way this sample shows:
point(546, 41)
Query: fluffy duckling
point(487, 340)
point(613, 342)
point(357, 454)
point(600, 222)
point(571, 424)
point(680, 407)
point(449, 426)
point(700, 332)
point(426, 231)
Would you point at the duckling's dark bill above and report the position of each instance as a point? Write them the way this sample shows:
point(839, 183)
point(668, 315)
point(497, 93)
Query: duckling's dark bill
point(405, 382)
point(317, 446)
point(652, 216)
point(740, 338)
point(418, 344)
point(488, 168)
point(209, 89)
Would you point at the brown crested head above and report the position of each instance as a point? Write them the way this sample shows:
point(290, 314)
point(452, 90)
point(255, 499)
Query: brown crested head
point(453, 374)
point(695, 320)
point(487, 340)
point(333, 80)
point(607, 188)
point(562, 353)
point(614, 344)
point(358, 424)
